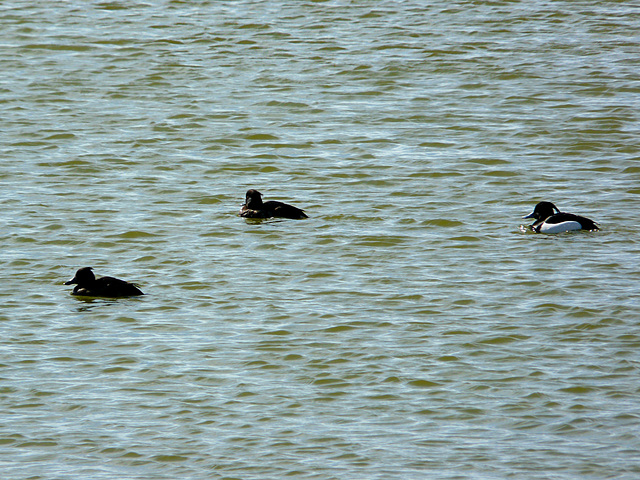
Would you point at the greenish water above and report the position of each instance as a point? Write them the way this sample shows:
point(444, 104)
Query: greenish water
point(407, 329)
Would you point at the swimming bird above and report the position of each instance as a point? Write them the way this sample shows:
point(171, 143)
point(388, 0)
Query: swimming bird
point(549, 219)
point(254, 207)
point(89, 286)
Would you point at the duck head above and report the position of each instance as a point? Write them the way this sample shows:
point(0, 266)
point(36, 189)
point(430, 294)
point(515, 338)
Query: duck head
point(83, 276)
point(542, 211)
point(253, 200)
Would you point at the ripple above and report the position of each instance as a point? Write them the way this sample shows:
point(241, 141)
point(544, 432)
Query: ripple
point(406, 327)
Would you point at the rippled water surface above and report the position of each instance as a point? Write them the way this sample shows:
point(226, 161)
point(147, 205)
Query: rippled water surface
point(408, 329)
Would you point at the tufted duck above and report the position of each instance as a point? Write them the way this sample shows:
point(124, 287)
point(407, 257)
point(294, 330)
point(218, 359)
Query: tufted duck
point(254, 207)
point(89, 286)
point(549, 219)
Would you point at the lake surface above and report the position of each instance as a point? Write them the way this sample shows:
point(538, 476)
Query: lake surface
point(408, 329)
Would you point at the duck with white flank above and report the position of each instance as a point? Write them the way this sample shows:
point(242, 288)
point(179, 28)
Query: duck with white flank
point(549, 219)
point(254, 207)
point(87, 285)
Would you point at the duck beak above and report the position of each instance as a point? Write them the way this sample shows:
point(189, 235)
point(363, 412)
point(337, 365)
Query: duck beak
point(531, 215)
point(71, 282)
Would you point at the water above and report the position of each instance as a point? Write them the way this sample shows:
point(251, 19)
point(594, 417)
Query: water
point(407, 329)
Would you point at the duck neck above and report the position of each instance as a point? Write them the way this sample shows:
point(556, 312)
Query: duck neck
point(254, 203)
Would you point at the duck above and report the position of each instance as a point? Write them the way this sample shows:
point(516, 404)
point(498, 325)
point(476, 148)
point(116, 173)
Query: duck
point(254, 207)
point(89, 286)
point(549, 219)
